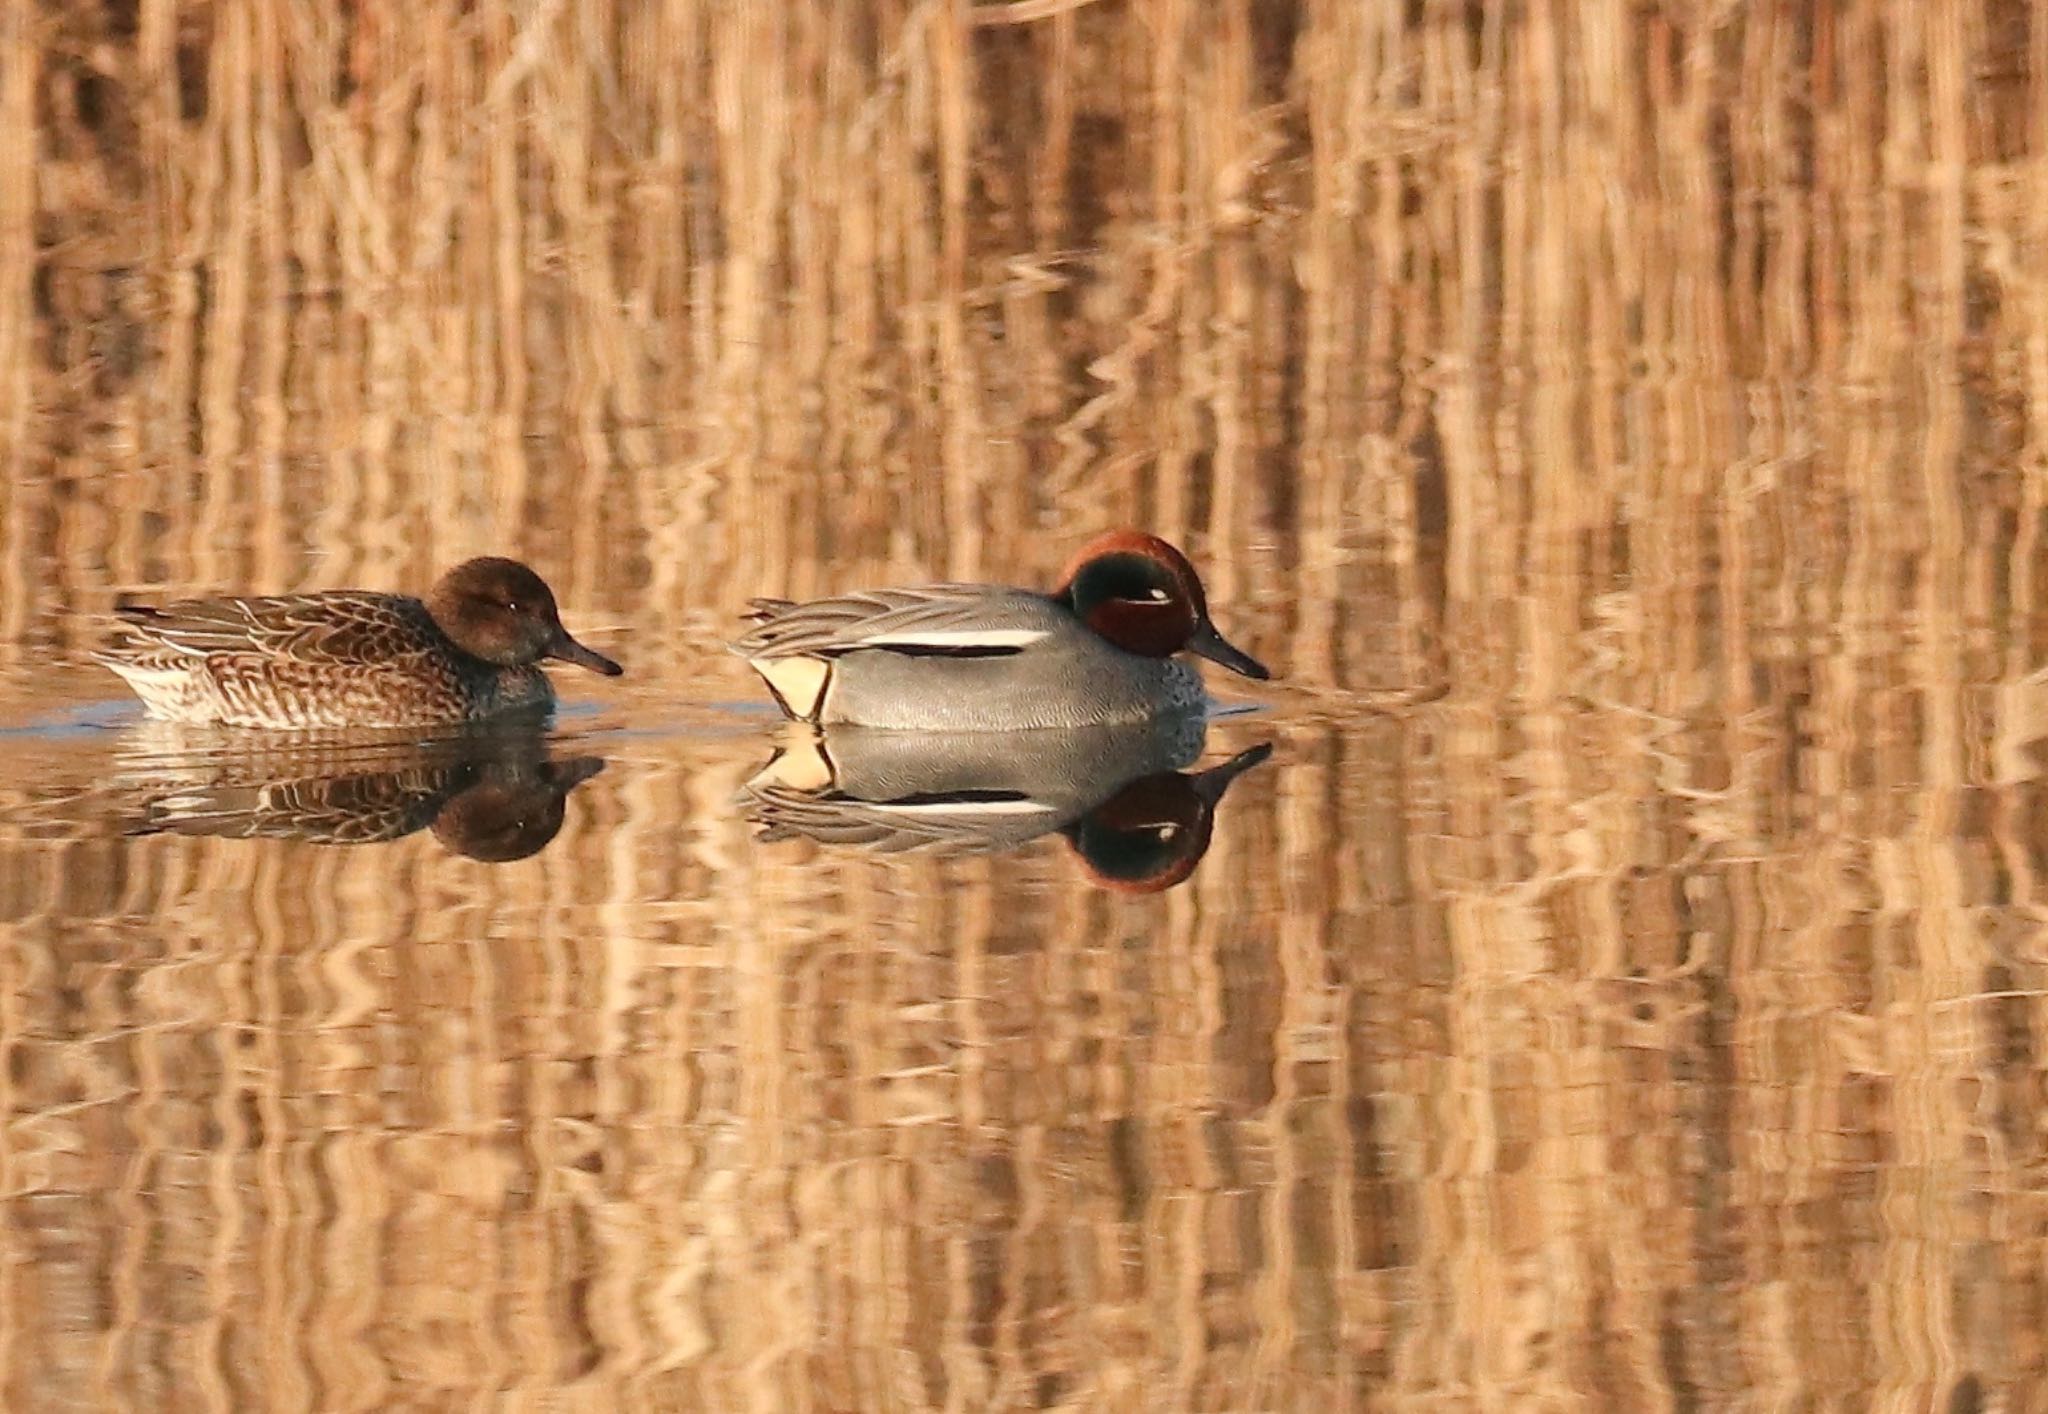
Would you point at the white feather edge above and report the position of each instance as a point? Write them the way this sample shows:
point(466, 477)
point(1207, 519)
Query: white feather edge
point(964, 807)
point(959, 638)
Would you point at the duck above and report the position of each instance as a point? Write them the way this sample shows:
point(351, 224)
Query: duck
point(344, 659)
point(1097, 649)
point(1132, 815)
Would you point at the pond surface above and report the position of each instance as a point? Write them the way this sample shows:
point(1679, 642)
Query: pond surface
point(1602, 969)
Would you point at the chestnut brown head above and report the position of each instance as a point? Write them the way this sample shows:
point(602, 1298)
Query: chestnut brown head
point(502, 612)
point(1141, 594)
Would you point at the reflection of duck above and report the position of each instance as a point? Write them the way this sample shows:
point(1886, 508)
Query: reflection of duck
point(1116, 793)
point(351, 658)
point(492, 798)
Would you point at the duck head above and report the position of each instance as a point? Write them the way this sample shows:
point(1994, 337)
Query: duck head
point(1141, 594)
point(502, 612)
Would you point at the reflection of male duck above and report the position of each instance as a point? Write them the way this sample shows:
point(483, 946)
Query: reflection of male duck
point(492, 797)
point(1116, 793)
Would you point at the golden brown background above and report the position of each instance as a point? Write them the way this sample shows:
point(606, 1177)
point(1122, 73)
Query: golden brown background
point(1620, 425)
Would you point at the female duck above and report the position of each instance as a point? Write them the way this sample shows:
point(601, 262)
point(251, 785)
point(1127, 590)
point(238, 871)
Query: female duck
point(978, 657)
point(352, 658)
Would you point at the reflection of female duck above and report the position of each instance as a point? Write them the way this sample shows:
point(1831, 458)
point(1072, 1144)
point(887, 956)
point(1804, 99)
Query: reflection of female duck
point(492, 798)
point(1116, 793)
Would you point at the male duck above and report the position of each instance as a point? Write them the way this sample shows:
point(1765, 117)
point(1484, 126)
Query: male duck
point(352, 658)
point(976, 657)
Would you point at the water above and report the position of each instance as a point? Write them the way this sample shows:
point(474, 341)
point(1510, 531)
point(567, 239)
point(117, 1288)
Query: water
point(1604, 969)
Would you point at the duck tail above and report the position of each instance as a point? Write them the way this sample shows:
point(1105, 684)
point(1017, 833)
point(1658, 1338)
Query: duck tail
point(761, 611)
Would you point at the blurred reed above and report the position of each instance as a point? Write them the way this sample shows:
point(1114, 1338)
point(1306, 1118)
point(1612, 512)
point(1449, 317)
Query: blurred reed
point(1656, 1012)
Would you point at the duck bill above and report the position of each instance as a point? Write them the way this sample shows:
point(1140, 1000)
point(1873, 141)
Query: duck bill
point(1211, 784)
point(566, 775)
point(1208, 643)
point(567, 650)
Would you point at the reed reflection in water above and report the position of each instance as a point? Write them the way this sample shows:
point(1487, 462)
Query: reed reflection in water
point(1619, 426)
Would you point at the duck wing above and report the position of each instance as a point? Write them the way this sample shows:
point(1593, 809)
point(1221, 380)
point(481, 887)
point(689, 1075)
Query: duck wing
point(335, 628)
point(358, 809)
point(968, 619)
point(970, 822)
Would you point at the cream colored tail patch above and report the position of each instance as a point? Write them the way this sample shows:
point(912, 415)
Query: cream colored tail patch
point(799, 764)
point(798, 683)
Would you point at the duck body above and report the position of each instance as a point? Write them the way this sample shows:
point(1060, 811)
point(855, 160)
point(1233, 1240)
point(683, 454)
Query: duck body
point(893, 790)
point(350, 658)
point(1097, 651)
point(958, 657)
point(307, 661)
